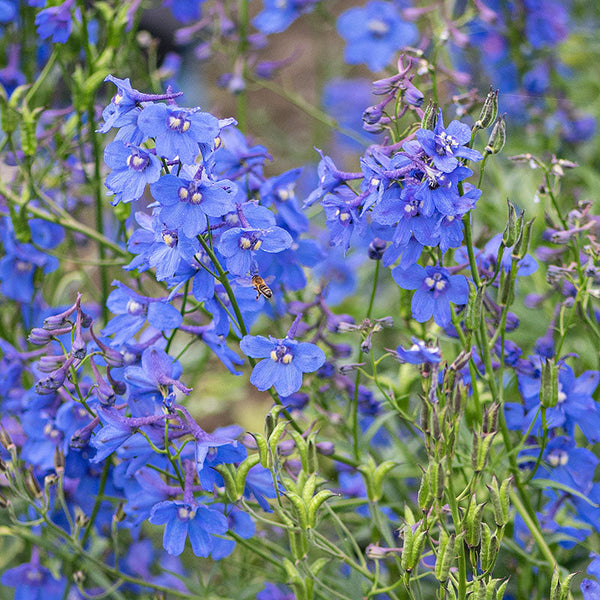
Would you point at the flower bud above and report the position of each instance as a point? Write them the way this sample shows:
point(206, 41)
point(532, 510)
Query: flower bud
point(509, 237)
point(549, 384)
point(376, 249)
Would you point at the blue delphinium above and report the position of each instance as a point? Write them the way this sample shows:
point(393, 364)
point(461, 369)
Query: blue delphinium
point(56, 22)
point(132, 169)
point(285, 362)
point(186, 202)
point(278, 15)
point(435, 289)
point(419, 353)
point(374, 33)
point(33, 582)
point(445, 145)
point(177, 132)
point(187, 519)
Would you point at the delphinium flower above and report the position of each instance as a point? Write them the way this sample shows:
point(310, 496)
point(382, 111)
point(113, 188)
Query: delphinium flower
point(22, 260)
point(277, 16)
point(275, 592)
point(419, 353)
point(32, 581)
point(445, 145)
point(177, 132)
point(341, 210)
point(285, 360)
point(374, 33)
point(186, 201)
point(185, 10)
point(132, 169)
point(435, 289)
point(56, 22)
point(239, 245)
point(279, 191)
point(133, 310)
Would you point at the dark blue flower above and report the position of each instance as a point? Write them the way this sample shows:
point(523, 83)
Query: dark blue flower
point(286, 360)
point(435, 289)
point(177, 132)
point(132, 169)
point(183, 519)
point(374, 33)
point(341, 210)
point(275, 592)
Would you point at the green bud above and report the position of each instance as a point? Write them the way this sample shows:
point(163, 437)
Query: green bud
point(490, 418)
point(271, 420)
point(20, 222)
point(489, 110)
point(499, 500)
point(481, 589)
point(549, 384)
point(566, 584)
point(497, 137)
point(318, 565)
point(555, 585)
point(499, 594)
point(506, 295)
point(509, 237)
point(430, 116)
point(490, 545)
point(438, 478)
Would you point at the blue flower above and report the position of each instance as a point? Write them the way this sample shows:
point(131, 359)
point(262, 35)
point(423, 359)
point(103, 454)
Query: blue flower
point(187, 201)
point(435, 289)
point(240, 523)
point(33, 582)
point(278, 15)
point(419, 353)
point(275, 592)
point(286, 360)
point(183, 519)
point(446, 145)
point(178, 131)
point(133, 310)
point(374, 34)
point(132, 168)
point(55, 22)
point(240, 244)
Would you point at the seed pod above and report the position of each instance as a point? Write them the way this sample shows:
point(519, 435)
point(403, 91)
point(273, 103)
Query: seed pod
point(497, 137)
point(425, 497)
point(233, 492)
point(378, 477)
point(445, 557)
point(242, 472)
point(300, 507)
point(489, 549)
point(549, 384)
point(262, 447)
point(430, 116)
point(522, 246)
point(489, 110)
point(417, 550)
point(474, 307)
point(472, 523)
point(316, 503)
point(31, 485)
point(313, 459)
point(509, 237)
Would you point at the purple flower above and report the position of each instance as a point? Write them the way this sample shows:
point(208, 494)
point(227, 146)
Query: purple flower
point(435, 289)
point(446, 145)
point(178, 131)
point(132, 168)
point(374, 33)
point(286, 360)
point(183, 519)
